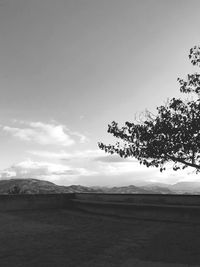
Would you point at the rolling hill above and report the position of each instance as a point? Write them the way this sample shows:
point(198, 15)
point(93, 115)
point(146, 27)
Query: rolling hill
point(35, 186)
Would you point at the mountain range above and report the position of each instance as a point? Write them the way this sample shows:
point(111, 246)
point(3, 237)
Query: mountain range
point(35, 186)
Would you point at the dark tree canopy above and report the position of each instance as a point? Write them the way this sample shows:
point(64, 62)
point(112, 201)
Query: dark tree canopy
point(173, 134)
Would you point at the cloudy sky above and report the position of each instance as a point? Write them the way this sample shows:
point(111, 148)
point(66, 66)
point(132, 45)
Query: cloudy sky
point(70, 67)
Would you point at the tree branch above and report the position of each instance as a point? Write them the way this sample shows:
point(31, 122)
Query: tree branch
point(183, 161)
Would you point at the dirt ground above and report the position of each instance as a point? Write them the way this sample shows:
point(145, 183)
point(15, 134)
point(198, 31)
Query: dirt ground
point(66, 238)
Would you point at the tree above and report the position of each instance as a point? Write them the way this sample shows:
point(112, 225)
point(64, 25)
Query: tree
point(14, 190)
point(172, 135)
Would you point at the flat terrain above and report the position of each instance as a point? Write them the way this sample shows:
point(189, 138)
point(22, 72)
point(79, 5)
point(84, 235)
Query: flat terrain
point(73, 238)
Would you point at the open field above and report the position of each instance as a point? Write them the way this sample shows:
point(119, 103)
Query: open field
point(73, 238)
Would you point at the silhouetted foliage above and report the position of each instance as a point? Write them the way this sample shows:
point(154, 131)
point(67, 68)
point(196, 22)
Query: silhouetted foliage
point(14, 190)
point(171, 135)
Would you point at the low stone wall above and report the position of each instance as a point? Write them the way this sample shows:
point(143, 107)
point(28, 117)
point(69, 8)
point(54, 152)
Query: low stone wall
point(153, 207)
point(175, 208)
point(35, 201)
point(142, 198)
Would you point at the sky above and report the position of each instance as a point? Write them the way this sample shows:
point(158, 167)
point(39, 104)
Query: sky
point(68, 68)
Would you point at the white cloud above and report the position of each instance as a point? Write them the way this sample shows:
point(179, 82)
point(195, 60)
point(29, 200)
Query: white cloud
point(83, 138)
point(45, 134)
point(89, 154)
point(90, 167)
point(49, 154)
point(96, 160)
point(120, 168)
point(77, 155)
point(44, 171)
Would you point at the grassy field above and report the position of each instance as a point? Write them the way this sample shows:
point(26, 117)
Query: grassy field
point(73, 238)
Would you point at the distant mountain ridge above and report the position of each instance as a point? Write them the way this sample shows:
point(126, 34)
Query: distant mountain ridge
point(35, 186)
point(186, 187)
